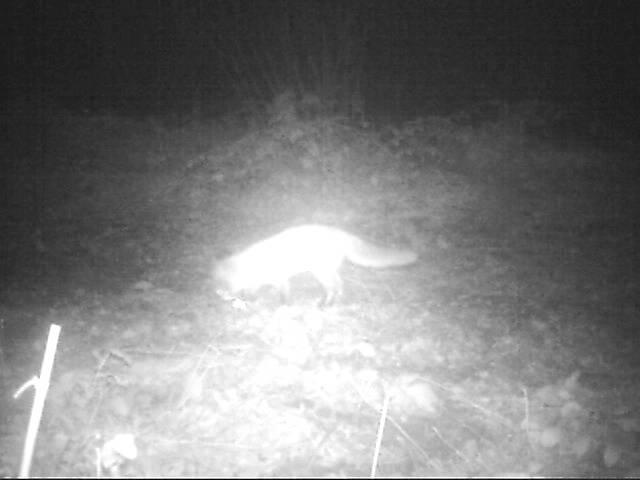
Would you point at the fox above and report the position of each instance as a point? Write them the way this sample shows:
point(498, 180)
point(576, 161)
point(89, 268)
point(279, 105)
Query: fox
point(316, 249)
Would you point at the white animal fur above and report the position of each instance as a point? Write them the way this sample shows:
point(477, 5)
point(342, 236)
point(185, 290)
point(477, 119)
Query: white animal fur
point(317, 249)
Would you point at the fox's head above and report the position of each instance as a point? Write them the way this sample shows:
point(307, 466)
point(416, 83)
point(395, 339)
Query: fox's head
point(229, 275)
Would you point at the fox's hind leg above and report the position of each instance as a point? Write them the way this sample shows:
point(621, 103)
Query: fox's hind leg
point(332, 285)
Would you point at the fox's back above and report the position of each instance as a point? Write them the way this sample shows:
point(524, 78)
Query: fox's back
point(274, 260)
point(301, 249)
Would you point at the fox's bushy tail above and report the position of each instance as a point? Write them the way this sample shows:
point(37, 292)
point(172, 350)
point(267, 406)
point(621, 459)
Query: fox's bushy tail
point(367, 254)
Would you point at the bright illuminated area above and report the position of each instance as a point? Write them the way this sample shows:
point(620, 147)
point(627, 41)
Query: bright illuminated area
point(295, 238)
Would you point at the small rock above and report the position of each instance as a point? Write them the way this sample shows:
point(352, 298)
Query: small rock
point(550, 437)
point(611, 455)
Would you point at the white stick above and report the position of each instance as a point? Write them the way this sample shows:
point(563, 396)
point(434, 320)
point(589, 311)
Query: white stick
point(383, 419)
point(41, 386)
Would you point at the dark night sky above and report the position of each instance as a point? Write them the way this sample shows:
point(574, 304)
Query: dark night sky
point(150, 53)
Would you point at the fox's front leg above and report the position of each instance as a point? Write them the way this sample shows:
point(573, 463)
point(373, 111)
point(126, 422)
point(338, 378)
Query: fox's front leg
point(285, 292)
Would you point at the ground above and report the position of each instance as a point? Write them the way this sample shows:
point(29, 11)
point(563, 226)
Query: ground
point(509, 348)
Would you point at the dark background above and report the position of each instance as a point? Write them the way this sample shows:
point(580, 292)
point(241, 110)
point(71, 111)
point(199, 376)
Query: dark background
point(405, 58)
